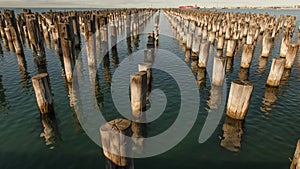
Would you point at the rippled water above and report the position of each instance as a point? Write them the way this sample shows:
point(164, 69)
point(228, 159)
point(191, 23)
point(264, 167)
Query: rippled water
point(270, 130)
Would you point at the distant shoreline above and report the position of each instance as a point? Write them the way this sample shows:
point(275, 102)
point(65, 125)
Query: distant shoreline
point(242, 8)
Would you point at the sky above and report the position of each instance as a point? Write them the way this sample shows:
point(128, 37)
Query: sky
point(143, 3)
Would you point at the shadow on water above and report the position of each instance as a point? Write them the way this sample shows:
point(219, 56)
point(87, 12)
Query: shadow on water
point(201, 78)
point(232, 134)
point(107, 74)
point(115, 57)
point(229, 64)
point(50, 130)
point(270, 97)
point(25, 78)
point(40, 63)
point(262, 65)
point(243, 74)
point(129, 47)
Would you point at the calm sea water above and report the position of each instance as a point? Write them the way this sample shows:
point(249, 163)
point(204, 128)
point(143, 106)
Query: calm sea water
point(270, 131)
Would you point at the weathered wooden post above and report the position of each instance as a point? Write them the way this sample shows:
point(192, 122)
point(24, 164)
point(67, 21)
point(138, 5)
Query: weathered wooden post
point(204, 34)
point(104, 35)
point(218, 74)
point(203, 54)
point(8, 35)
point(286, 39)
point(55, 37)
point(42, 89)
point(196, 46)
point(230, 49)
point(67, 44)
point(138, 84)
point(146, 66)
point(266, 46)
point(16, 40)
point(35, 35)
point(76, 29)
point(239, 99)
point(25, 33)
point(247, 56)
point(90, 39)
point(11, 47)
point(276, 72)
point(138, 88)
point(227, 32)
point(219, 53)
point(291, 54)
point(232, 134)
point(189, 40)
point(250, 39)
point(212, 37)
point(45, 31)
point(116, 146)
point(296, 160)
point(220, 42)
point(2, 31)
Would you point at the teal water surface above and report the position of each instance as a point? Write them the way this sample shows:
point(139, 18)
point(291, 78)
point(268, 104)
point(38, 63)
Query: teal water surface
point(270, 131)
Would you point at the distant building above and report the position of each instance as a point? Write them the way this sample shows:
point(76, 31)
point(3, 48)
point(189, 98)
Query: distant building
point(297, 6)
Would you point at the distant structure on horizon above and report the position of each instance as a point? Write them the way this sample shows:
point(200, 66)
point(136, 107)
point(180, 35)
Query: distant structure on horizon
point(189, 7)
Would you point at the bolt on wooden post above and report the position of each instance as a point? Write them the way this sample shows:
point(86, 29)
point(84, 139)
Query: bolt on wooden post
point(239, 99)
point(42, 89)
point(276, 71)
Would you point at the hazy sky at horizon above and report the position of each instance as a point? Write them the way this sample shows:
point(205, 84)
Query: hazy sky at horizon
point(143, 3)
